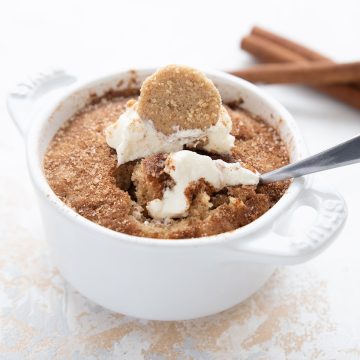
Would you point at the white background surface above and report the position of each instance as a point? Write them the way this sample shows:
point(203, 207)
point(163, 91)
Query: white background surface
point(98, 37)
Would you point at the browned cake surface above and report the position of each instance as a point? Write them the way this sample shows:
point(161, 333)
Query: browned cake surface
point(82, 170)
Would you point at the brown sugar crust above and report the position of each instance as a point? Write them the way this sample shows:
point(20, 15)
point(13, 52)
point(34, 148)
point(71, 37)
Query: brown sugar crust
point(82, 170)
point(179, 97)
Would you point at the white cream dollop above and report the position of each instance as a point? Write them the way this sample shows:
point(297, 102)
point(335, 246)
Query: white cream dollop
point(185, 167)
point(135, 138)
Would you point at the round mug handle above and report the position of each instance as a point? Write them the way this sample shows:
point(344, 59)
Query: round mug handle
point(22, 101)
point(286, 249)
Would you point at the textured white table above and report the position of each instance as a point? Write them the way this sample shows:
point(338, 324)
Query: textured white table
point(309, 311)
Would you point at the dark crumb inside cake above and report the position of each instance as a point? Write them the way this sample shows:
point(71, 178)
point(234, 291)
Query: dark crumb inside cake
point(82, 170)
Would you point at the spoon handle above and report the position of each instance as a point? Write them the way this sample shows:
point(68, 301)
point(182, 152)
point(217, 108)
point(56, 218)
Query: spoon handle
point(343, 154)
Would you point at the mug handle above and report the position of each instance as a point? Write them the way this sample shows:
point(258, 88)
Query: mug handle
point(277, 248)
point(22, 101)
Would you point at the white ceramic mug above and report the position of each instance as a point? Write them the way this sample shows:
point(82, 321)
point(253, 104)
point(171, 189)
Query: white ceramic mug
point(168, 279)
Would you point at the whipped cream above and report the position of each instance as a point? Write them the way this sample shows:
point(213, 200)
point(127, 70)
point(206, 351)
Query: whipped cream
point(135, 138)
point(185, 167)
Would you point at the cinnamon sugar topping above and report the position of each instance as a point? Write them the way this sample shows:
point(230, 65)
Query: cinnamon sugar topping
point(82, 170)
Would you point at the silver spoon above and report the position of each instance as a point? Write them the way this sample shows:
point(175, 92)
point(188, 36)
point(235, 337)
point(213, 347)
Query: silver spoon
point(346, 153)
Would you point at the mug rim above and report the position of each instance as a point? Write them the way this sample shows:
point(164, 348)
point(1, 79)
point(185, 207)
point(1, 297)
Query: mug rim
point(35, 166)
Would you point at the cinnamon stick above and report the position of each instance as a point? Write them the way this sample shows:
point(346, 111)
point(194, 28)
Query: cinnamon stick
point(288, 44)
point(298, 49)
point(269, 51)
point(313, 73)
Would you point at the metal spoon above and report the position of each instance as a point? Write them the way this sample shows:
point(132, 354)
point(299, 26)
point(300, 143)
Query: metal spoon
point(346, 153)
